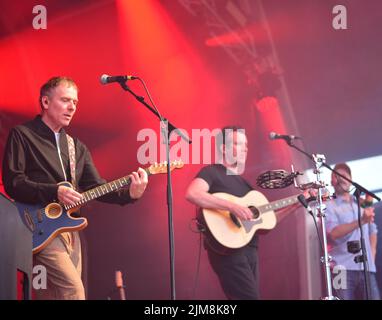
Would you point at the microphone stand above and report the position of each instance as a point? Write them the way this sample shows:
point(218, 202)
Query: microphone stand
point(319, 161)
point(166, 128)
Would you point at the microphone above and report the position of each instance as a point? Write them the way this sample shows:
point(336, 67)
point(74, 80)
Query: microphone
point(303, 201)
point(105, 79)
point(274, 136)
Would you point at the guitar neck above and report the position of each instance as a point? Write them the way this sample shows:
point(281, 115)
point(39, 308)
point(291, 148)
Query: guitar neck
point(279, 204)
point(103, 190)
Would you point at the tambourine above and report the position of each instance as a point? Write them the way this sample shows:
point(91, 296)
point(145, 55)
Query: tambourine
point(275, 179)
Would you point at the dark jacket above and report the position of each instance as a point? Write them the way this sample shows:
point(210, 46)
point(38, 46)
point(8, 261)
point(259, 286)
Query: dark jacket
point(32, 168)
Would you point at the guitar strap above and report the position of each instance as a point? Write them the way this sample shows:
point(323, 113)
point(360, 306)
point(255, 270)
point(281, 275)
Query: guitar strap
point(72, 160)
point(68, 238)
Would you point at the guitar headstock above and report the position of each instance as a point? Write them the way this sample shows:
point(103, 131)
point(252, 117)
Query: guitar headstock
point(162, 167)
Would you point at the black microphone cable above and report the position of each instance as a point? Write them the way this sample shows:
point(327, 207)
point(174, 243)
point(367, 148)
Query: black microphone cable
point(200, 229)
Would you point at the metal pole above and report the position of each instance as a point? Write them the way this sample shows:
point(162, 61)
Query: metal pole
point(321, 207)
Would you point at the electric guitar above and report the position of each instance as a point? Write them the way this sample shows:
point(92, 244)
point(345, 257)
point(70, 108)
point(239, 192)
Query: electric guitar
point(230, 231)
point(48, 222)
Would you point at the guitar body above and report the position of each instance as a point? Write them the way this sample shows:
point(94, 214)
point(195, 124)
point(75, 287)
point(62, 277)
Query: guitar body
point(48, 222)
point(233, 233)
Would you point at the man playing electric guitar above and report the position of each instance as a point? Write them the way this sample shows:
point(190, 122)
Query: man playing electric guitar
point(214, 189)
point(39, 155)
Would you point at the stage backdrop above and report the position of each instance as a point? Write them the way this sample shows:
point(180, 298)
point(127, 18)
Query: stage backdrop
point(333, 102)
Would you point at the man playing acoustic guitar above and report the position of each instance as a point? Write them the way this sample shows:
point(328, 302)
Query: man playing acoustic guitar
point(37, 158)
point(228, 219)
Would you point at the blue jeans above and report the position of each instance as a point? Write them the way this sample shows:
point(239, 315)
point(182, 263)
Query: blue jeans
point(355, 287)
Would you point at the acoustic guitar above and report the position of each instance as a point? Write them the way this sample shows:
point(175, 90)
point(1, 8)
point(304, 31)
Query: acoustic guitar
point(230, 231)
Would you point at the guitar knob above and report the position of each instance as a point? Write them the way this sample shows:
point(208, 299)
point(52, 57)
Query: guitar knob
point(40, 232)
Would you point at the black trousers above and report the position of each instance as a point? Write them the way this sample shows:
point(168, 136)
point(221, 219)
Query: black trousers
point(237, 272)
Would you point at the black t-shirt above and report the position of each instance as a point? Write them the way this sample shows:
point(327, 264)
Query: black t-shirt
point(218, 179)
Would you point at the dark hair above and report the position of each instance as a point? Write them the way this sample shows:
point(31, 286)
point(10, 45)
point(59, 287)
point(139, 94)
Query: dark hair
point(53, 83)
point(343, 166)
point(222, 135)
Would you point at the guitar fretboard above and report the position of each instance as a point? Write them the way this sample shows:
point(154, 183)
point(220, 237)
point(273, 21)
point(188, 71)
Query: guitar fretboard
point(279, 204)
point(102, 190)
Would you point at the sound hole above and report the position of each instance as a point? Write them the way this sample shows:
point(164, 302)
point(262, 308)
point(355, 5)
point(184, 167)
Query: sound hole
point(53, 210)
point(255, 212)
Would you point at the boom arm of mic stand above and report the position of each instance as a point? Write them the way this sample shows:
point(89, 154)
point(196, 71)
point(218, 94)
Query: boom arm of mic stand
point(141, 99)
point(355, 184)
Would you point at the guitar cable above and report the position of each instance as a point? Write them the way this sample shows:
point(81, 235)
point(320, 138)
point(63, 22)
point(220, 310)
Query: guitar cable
point(318, 233)
point(301, 198)
point(200, 229)
point(150, 98)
